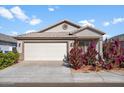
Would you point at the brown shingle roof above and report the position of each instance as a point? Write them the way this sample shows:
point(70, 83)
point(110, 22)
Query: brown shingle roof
point(87, 27)
point(56, 35)
point(120, 37)
point(47, 34)
point(44, 35)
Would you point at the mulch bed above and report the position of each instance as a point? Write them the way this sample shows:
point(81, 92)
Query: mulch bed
point(88, 69)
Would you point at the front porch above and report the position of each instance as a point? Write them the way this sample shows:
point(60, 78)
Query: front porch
point(84, 43)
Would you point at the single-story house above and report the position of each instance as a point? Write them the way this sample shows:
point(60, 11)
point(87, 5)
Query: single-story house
point(54, 42)
point(7, 43)
point(121, 39)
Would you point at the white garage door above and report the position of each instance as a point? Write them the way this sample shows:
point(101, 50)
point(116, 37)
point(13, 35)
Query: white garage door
point(45, 51)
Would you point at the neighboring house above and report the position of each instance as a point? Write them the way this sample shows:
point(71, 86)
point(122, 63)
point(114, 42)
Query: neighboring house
point(54, 42)
point(121, 39)
point(7, 43)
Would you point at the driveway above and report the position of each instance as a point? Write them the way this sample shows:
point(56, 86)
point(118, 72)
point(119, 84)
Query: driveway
point(47, 73)
point(36, 72)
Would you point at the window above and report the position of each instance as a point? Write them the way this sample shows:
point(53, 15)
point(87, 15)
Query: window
point(84, 44)
point(64, 26)
point(71, 45)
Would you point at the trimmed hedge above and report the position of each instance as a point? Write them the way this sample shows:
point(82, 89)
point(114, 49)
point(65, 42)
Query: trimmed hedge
point(7, 59)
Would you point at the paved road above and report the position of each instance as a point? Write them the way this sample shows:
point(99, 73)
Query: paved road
point(54, 74)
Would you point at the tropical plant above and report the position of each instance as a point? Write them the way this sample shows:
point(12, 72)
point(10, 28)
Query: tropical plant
point(89, 57)
point(75, 56)
point(113, 54)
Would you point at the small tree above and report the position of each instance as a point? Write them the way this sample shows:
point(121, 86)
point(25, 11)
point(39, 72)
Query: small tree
point(75, 56)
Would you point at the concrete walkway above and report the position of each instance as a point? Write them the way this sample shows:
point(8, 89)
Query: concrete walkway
point(53, 72)
point(99, 77)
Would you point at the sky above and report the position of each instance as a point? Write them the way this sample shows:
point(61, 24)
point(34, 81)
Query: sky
point(16, 20)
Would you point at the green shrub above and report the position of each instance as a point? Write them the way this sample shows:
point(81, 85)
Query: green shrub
point(8, 59)
point(1, 58)
point(16, 57)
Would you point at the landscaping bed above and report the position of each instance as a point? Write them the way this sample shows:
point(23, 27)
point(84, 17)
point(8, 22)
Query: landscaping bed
point(112, 59)
point(8, 59)
point(88, 69)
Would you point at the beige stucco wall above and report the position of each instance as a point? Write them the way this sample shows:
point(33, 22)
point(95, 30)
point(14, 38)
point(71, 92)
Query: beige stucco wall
point(59, 28)
point(70, 44)
point(20, 48)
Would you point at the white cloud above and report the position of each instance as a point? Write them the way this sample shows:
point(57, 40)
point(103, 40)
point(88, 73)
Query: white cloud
point(0, 27)
point(35, 21)
point(29, 31)
point(92, 20)
point(5, 13)
point(51, 9)
point(117, 20)
point(14, 33)
point(106, 36)
point(114, 21)
point(106, 23)
point(87, 23)
point(19, 13)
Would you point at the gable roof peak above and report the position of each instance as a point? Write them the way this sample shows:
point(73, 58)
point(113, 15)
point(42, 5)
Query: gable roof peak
point(87, 27)
point(60, 22)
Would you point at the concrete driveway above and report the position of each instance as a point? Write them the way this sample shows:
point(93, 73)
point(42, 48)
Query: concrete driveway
point(42, 73)
point(36, 72)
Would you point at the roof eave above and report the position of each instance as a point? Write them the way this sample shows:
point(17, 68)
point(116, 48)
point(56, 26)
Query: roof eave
point(56, 38)
point(88, 27)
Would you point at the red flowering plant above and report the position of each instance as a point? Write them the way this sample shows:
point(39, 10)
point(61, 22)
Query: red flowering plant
point(90, 55)
point(100, 60)
point(75, 56)
point(113, 54)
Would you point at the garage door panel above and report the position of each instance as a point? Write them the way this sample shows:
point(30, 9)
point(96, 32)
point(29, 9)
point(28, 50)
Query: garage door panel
point(45, 51)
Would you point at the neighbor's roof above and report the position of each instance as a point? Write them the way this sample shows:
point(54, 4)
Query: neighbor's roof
point(120, 37)
point(7, 38)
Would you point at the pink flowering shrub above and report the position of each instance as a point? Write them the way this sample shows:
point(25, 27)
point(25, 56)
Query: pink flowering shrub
point(75, 56)
point(113, 54)
point(89, 57)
